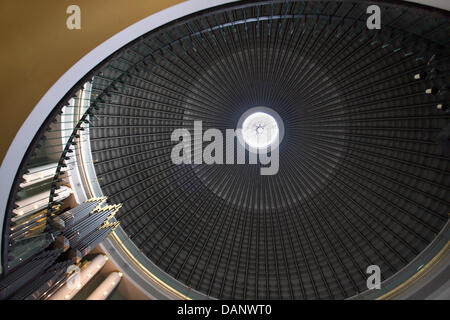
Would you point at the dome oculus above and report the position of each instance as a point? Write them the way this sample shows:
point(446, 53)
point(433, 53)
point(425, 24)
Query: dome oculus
point(260, 130)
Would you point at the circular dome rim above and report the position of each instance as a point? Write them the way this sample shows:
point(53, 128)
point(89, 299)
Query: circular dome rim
point(40, 103)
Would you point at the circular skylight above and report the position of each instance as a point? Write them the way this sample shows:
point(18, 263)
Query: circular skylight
point(260, 130)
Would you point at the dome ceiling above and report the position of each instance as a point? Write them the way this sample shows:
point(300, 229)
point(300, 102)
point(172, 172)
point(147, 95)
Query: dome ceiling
point(361, 179)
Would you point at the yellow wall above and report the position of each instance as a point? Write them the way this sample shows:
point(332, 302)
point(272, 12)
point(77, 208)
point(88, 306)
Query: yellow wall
point(37, 48)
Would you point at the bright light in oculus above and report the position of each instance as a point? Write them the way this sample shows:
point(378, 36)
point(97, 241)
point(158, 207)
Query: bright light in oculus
point(260, 130)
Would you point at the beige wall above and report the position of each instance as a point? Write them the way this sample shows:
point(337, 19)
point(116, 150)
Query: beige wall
point(37, 48)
